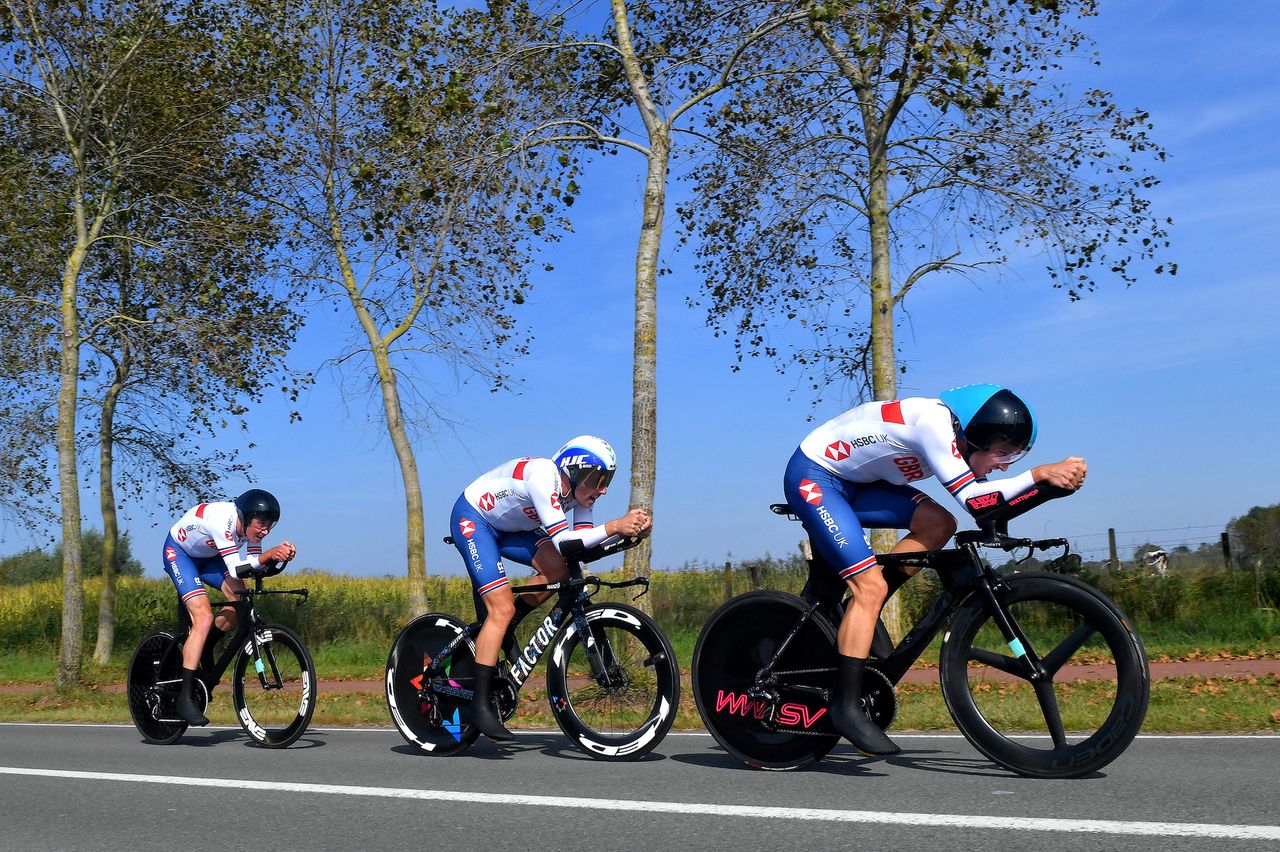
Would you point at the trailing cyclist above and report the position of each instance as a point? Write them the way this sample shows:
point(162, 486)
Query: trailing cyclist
point(211, 544)
point(517, 511)
point(853, 472)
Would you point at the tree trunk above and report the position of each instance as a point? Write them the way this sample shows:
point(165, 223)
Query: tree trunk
point(884, 368)
point(110, 526)
point(71, 655)
point(415, 541)
point(644, 376)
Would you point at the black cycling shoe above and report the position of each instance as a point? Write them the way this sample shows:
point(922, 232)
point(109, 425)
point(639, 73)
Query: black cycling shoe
point(484, 714)
point(185, 707)
point(856, 726)
point(850, 719)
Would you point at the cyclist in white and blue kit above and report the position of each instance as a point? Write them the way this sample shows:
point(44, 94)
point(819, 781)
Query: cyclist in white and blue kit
point(211, 544)
point(854, 472)
point(517, 511)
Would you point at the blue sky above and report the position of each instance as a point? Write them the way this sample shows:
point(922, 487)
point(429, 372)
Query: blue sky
point(1167, 387)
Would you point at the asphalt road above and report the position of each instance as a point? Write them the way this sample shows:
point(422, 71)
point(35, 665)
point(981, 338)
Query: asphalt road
point(85, 788)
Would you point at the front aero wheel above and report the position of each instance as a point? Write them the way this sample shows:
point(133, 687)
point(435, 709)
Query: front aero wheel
point(775, 720)
point(428, 705)
point(1055, 728)
point(623, 709)
point(152, 686)
point(275, 698)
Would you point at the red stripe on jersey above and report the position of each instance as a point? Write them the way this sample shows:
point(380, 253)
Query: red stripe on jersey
point(556, 529)
point(200, 510)
point(518, 473)
point(582, 527)
point(891, 412)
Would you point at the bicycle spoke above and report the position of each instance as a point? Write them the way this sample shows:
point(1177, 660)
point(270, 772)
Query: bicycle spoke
point(1066, 649)
point(1052, 716)
point(1003, 662)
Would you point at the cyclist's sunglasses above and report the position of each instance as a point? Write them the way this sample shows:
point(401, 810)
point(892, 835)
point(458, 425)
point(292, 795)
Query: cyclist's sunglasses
point(598, 479)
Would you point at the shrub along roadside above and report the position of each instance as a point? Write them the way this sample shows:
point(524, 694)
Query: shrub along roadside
point(1232, 611)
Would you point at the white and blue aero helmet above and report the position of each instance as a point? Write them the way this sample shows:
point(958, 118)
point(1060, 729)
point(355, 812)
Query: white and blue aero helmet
point(588, 460)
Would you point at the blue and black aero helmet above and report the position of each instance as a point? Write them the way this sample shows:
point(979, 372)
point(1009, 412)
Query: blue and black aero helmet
point(992, 418)
point(587, 460)
point(256, 503)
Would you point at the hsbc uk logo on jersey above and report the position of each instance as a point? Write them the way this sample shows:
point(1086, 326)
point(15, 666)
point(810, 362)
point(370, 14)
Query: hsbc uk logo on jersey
point(811, 492)
point(838, 450)
point(487, 502)
point(467, 527)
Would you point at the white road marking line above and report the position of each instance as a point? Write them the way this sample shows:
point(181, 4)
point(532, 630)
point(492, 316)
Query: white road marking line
point(1088, 826)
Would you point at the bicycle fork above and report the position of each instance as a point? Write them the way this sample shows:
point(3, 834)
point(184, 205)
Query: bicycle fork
point(1013, 634)
point(260, 640)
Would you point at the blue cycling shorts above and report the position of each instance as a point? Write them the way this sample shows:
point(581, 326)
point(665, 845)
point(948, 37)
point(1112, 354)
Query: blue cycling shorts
point(483, 548)
point(187, 572)
point(835, 512)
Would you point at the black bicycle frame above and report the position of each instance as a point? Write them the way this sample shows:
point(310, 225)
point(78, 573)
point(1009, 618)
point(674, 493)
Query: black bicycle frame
point(248, 624)
point(963, 574)
point(571, 600)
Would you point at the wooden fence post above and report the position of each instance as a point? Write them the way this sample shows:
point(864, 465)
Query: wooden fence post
point(728, 579)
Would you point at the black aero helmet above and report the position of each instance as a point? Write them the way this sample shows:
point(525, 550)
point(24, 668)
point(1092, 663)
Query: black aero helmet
point(991, 416)
point(256, 503)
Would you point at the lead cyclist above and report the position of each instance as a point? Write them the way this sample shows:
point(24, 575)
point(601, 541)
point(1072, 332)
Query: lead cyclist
point(854, 472)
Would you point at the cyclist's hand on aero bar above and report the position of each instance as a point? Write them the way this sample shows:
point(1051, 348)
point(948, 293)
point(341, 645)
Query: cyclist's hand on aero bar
point(1068, 473)
point(635, 523)
point(282, 552)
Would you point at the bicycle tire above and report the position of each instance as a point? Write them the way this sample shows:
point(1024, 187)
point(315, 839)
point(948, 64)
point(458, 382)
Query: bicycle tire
point(146, 696)
point(274, 716)
point(1064, 618)
point(436, 723)
point(625, 716)
point(740, 639)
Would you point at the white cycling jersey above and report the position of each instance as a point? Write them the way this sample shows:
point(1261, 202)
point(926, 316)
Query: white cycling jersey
point(900, 442)
point(210, 530)
point(524, 494)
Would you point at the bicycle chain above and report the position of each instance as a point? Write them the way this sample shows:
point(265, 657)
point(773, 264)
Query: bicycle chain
point(805, 671)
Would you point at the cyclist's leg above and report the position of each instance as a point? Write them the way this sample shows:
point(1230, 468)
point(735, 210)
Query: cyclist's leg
point(224, 620)
point(478, 544)
point(886, 506)
point(883, 505)
point(185, 574)
point(535, 549)
point(823, 502)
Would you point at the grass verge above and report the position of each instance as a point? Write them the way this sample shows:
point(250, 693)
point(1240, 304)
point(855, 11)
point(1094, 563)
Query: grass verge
point(1178, 705)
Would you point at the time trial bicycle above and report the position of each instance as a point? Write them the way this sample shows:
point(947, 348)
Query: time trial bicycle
point(764, 667)
point(273, 684)
point(613, 683)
